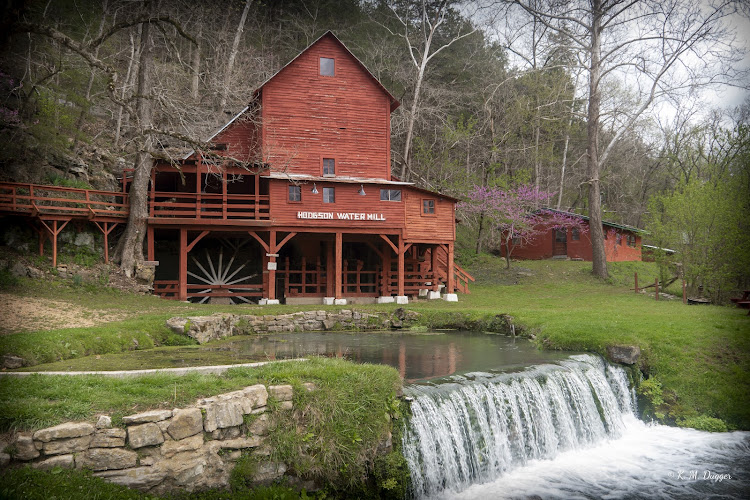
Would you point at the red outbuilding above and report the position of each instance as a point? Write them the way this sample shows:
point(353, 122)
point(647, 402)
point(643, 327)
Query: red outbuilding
point(621, 242)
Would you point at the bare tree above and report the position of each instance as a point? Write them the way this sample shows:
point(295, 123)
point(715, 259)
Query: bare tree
point(663, 47)
point(233, 56)
point(422, 29)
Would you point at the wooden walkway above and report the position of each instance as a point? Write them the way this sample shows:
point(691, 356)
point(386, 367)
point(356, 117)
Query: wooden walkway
point(51, 208)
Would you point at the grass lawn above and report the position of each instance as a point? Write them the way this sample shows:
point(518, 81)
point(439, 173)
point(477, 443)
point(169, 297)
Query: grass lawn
point(699, 354)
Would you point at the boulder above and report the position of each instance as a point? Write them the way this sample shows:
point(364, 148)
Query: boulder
point(260, 425)
point(171, 448)
point(109, 438)
point(142, 478)
point(185, 423)
point(222, 414)
point(267, 472)
point(104, 422)
point(206, 328)
point(63, 446)
point(148, 416)
point(10, 362)
point(61, 461)
point(177, 325)
point(144, 435)
point(625, 354)
point(25, 449)
point(99, 459)
point(281, 392)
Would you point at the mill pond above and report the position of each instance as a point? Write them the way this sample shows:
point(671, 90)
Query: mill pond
point(494, 417)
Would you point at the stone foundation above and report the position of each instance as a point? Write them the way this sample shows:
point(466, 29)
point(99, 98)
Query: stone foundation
point(158, 451)
point(218, 326)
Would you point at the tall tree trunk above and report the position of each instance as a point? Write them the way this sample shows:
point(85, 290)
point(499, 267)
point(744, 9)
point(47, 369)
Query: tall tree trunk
point(132, 246)
point(599, 257)
point(565, 149)
point(405, 165)
point(133, 55)
point(233, 56)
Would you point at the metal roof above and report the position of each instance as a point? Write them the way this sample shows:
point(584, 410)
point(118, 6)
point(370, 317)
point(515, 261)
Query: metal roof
point(604, 222)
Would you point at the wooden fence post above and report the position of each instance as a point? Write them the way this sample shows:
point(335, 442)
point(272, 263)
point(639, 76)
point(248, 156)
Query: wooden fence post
point(684, 292)
point(636, 282)
point(656, 286)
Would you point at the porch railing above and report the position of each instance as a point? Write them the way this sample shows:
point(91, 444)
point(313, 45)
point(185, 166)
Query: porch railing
point(37, 199)
point(210, 206)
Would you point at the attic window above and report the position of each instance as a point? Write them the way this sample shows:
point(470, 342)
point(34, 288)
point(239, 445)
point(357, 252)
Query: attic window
point(327, 67)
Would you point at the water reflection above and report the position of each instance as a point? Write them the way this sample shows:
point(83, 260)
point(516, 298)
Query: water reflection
point(417, 357)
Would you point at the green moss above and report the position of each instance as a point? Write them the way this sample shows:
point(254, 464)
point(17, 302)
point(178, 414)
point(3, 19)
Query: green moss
point(704, 423)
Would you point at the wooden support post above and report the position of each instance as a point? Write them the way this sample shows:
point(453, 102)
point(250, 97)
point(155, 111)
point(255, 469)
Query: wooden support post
point(656, 287)
point(54, 243)
point(107, 228)
point(684, 292)
point(54, 231)
point(636, 282)
point(451, 272)
point(386, 272)
point(256, 214)
point(401, 267)
point(272, 272)
point(330, 265)
point(338, 265)
point(224, 189)
point(435, 265)
point(151, 252)
point(182, 284)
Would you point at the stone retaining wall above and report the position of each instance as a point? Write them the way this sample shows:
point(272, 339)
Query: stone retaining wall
point(158, 451)
point(220, 325)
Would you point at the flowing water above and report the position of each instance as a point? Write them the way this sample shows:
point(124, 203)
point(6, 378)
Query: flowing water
point(564, 430)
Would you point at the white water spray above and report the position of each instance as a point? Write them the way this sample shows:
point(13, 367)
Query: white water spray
point(480, 438)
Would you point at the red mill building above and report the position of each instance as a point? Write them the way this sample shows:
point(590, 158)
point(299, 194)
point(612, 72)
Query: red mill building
point(317, 216)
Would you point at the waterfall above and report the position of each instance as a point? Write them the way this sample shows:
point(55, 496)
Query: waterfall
point(475, 429)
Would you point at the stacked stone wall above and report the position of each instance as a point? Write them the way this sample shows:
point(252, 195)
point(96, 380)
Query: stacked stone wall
point(157, 451)
point(221, 325)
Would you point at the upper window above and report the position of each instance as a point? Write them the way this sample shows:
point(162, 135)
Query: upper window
point(631, 240)
point(575, 234)
point(295, 193)
point(329, 195)
point(327, 67)
point(618, 239)
point(329, 166)
point(390, 195)
point(428, 207)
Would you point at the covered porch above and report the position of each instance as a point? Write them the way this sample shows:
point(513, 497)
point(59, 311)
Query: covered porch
point(230, 264)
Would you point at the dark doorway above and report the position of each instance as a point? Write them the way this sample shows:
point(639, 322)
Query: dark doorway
point(561, 242)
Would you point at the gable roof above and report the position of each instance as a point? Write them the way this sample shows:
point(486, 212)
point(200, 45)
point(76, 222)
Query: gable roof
point(604, 222)
point(328, 34)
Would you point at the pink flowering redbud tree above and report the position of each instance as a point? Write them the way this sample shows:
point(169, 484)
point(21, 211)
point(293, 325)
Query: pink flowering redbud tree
point(518, 214)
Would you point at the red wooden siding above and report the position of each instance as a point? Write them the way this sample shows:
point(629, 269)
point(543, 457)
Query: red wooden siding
point(421, 227)
point(542, 246)
point(307, 117)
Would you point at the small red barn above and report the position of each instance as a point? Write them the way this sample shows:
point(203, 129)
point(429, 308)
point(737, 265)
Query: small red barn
point(621, 243)
point(296, 202)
